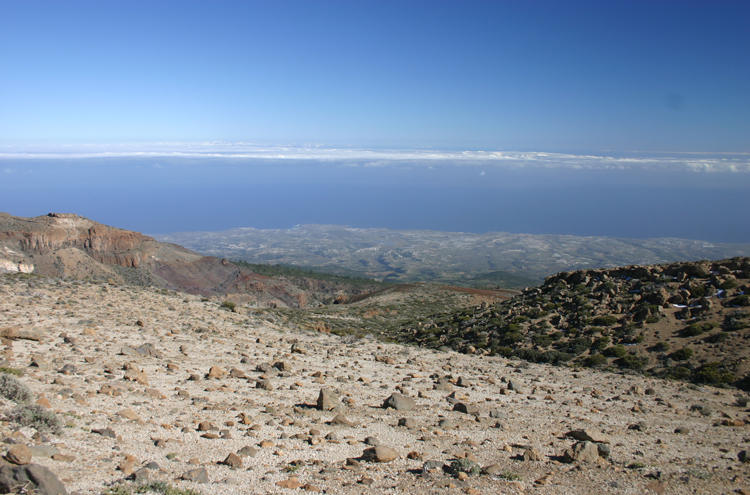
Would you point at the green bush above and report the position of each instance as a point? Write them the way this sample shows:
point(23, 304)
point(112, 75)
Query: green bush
point(743, 300)
point(661, 346)
point(682, 354)
point(679, 373)
point(35, 416)
point(729, 284)
point(712, 374)
point(718, 337)
point(632, 361)
point(601, 343)
point(594, 360)
point(465, 466)
point(503, 351)
point(11, 371)
point(579, 345)
point(13, 389)
point(698, 291)
point(160, 487)
point(693, 330)
point(228, 305)
point(617, 351)
point(542, 340)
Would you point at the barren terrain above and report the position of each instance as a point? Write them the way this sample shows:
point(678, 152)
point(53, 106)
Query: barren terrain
point(156, 385)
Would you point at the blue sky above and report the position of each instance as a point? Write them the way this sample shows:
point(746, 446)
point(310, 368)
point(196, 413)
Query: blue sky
point(618, 118)
point(482, 75)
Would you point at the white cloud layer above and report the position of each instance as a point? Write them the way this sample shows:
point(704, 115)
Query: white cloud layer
point(696, 162)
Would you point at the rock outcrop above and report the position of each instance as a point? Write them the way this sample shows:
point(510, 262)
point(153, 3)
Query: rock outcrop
point(678, 320)
point(66, 244)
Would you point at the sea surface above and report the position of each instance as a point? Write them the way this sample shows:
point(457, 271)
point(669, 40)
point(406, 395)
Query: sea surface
point(165, 195)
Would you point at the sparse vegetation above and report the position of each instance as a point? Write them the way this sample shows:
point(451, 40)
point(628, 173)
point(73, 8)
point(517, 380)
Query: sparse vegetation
point(465, 466)
point(36, 416)
point(160, 487)
point(13, 389)
point(510, 476)
point(682, 354)
point(11, 371)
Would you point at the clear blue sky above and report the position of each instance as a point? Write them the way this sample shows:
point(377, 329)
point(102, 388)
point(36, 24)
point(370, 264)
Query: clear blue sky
point(515, 75)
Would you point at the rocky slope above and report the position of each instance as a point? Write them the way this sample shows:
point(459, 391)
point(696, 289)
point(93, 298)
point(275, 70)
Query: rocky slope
point(132, 389)
point(67, 245)
point(680, 320)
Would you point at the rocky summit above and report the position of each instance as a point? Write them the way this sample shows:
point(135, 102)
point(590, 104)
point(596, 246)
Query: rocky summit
point(119, 389)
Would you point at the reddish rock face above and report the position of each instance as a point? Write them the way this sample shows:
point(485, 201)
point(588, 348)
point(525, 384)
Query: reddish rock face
point(67, 244)
point(108, 245)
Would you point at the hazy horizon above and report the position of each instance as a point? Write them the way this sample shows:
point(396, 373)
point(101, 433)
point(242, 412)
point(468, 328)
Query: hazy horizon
point(617, 118)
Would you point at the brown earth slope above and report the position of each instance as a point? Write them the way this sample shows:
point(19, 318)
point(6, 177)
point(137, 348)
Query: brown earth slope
point(68, 245)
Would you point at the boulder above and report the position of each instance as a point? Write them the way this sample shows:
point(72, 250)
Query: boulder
point(30, 478)
point(399, 402)
point(581, 452)
point(18, 454)
point(327, 400)
point(198, 475)
point(588, 436)
point(381, 453)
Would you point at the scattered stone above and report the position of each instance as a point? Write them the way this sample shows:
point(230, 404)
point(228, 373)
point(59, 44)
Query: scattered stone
point(32, 477)
point(327, 400)
point(248, 451)
point(198, 475)
point(466, 408)
point(18, 454)
point(581, 452)
point(233, 461)
point(588, 436)
point(380, 453)
point(341, 420)
point(399, 402)
point(291, 483)
point(105, 432)
point(407, 422)
point(532, 455)
point(216, 372)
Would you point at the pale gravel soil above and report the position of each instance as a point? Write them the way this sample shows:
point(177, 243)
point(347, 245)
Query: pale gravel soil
point(553, 401)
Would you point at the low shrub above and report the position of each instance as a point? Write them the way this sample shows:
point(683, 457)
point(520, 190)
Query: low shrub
point(594, 360)
point(36, 416)
point(712, 374)
point(228, 305)
point(682, 354)
point(605, 321)
point(692, 330)
point(661, 346)
point(617, 351)
point(465, 466)
point(679, 373)
point(632, 362)
point(13, 389)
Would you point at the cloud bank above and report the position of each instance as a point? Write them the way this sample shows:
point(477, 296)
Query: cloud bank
point(692, 162)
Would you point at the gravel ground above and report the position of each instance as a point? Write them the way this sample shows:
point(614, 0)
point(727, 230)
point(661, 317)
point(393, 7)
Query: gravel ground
point(94, 330)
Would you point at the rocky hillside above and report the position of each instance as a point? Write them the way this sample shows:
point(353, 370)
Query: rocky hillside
point(68, 245)
point(687, 321)
point(119, 390)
